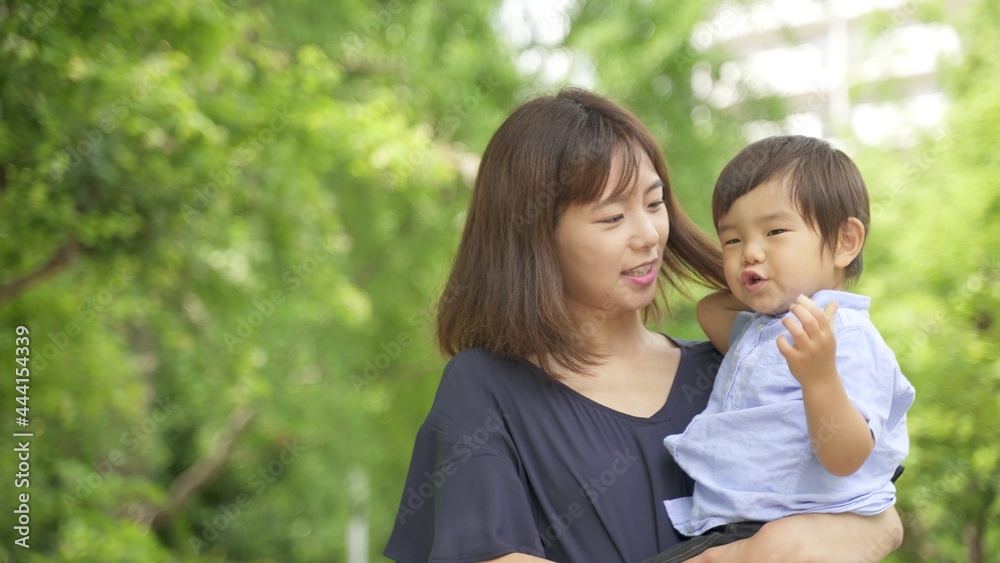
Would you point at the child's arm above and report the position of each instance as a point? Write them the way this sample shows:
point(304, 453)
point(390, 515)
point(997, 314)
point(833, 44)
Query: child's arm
point(839, 435)
point(716, 313)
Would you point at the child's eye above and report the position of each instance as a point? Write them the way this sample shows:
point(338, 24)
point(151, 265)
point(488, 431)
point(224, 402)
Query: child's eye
point(776, 232)
point(611, 220)
point(731, 241)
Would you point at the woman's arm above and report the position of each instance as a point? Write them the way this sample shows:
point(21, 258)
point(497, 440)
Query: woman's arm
point(518, 558)
point(818, 538)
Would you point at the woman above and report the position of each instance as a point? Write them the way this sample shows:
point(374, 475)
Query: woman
point(545, 438)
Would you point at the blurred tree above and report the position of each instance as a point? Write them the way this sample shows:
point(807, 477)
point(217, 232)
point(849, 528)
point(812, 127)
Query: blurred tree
point(645, 55)
point(935, 277)
point(223, 224)
point(226, 225)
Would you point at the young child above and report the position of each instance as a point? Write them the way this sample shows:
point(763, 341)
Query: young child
point(808, 410)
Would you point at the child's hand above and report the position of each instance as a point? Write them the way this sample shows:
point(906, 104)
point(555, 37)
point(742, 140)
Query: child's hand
point(813, 358)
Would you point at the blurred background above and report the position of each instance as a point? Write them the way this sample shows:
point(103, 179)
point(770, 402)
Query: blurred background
point(225, 225)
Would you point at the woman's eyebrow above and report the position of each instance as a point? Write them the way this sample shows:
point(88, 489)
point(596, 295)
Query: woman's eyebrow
point(658, 183)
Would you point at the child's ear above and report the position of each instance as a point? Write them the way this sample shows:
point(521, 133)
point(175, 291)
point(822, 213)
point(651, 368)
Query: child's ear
point(850, 240)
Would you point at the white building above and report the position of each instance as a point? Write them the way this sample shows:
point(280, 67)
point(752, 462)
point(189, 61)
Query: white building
point(865, 69)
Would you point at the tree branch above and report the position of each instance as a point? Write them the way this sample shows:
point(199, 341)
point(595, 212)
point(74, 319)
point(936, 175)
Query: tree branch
point(199, 475)
point(975, 531)
point(62, 258)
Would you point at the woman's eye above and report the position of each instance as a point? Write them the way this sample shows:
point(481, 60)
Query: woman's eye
point(656, 204)
point(776, 232)
point(611, 220)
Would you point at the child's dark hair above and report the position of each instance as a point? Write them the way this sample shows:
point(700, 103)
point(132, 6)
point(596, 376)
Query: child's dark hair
point(823, 182)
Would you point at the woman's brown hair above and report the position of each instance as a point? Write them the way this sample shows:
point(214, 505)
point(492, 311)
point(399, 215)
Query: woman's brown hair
point(505, 292)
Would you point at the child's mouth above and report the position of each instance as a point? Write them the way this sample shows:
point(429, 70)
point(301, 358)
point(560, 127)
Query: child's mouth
point(752, 281)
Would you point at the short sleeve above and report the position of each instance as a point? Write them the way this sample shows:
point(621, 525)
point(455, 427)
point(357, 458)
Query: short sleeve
point(872, 380)
point(465, 498)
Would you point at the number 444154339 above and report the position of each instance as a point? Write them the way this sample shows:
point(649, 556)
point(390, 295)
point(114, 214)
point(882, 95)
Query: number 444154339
point(22, 353)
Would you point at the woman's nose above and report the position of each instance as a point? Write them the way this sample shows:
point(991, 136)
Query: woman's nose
point(646, 234)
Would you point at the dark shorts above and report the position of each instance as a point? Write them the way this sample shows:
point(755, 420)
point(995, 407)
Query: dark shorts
point(720, 535)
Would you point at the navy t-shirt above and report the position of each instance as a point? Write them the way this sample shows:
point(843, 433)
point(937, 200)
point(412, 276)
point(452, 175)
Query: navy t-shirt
point(509, 461)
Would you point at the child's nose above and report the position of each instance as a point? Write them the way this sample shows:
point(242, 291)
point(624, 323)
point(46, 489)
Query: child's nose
point(752, 253)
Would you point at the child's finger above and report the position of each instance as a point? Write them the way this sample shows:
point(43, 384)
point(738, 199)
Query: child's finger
point(807, 319)
point(784, 347)
point(831, 310)
point(809, 304)
point(794, 328)
point(817, 319)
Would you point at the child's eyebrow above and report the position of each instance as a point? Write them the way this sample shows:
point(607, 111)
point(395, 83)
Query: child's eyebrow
point(777, 215)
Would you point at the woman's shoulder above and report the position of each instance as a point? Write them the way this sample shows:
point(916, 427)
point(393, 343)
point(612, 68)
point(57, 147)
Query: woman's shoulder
point(700, 362)
point(697, 351)
point(474, 358)
point(479, 367)
point(691, 345)
point(475, 381)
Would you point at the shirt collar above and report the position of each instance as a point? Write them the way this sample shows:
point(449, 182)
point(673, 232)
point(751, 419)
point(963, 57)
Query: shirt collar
point(846, 300)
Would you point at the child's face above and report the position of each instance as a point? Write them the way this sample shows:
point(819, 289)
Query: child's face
point(771, 254)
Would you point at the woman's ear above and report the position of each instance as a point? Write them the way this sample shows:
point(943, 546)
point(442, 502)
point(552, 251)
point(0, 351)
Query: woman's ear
point(850, 240)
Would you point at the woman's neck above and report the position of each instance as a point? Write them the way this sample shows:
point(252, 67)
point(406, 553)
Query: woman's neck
point(619, 334)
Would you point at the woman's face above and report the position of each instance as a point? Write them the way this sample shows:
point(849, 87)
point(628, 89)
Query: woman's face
point(610, 251)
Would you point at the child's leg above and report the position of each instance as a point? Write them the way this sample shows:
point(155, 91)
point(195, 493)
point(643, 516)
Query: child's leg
point(700, 544)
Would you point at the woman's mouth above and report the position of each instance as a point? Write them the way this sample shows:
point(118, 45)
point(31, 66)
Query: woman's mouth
point(642, 275)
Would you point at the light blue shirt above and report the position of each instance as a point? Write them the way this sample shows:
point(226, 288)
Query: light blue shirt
point(749, 451)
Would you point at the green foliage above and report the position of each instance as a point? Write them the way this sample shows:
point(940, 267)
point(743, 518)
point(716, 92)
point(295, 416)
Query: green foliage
point(226, 223)
point(241, 210)
point(934, 274)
